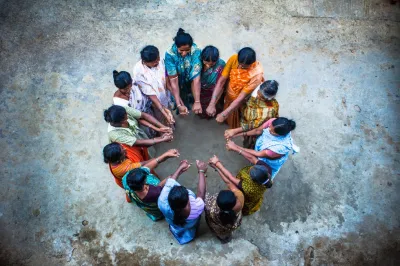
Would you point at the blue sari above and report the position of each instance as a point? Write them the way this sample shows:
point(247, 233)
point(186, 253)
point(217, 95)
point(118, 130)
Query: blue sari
point(187, 68)
point(151, 208)
point(185, 233)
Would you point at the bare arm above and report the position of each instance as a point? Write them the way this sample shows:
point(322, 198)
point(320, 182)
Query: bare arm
point(157, 105)
point(150, 142)
point(201, 187)
point(227, 174)
point(235, 104)
point(152, 120)
point(211, 110)
point(183, 167)
point(153, 163)
point(249, 153)
point(196, 84)
point(174, 82)
point(228, 183)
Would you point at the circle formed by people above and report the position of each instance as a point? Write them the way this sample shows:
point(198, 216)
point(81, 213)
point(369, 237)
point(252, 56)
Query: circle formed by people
point(159, 91)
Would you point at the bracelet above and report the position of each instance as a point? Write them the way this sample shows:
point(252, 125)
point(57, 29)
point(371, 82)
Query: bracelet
point(154, 142)
point(196, 101)
point(240, 151)
point(173, 78)
point(223, 115)
point(201, 171)
point(157, 160)
point(179, 105)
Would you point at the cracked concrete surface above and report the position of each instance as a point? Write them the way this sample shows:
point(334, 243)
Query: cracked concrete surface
point(337, 63)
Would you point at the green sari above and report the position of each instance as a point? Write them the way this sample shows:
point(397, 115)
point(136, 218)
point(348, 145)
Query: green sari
point(151, 208)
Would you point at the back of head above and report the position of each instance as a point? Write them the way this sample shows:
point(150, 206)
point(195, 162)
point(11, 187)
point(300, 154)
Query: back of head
point(122, 79)
point(182, 38)
point(226, 200)
point(113, 153)
point(283, 126)
point(246, 56)
point(178, 198)
point(136, 179)
point(149, 53)
point(115, 114)
point(260, 174)
point(210, 54)
point(269, 88)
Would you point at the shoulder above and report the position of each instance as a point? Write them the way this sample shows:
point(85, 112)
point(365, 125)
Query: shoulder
point(233, 58)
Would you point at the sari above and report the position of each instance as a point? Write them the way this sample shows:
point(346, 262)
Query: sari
point(129, 135)
point(223, 231)
point(151, 208)
point(208, 81)
point(152, 82)
point(134, 156)
point(186, 233)
point(252, 191)
point(255, 112)
point(240, 80)
point(278, 144)
point(187, 68)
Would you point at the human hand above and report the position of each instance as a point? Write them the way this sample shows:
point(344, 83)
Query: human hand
point(172, 153)
point(165, 130)
point(229, 133)
point(183, 111)
point(220, 118)
point(201, 166)
point(167, 137)
point(211, 110)
point(184, 165)
point(230, 145)
point(197, 108)
point(170, 117)
point(213, 161)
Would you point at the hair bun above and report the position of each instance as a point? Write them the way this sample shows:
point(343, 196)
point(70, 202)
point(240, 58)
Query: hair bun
point(292, 125)
point(115, 73)
point(180, 31)
point(107, 116)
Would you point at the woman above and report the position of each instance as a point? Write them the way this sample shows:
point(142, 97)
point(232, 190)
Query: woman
point(123, 127)
point(243, 74)
point(181, 208)
point(183, 65)
point(149, 75)
point(253, 181)
point(144, 188)
point(273, 144)
point(224, 210)
point(122, 158)
point(125, 96)
point(260, 107)
point(211, 72)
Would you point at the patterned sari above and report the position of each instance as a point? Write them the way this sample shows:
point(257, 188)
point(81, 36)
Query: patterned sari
point(240, 80)
point(253, 192)
point(223, 231)
point(209, 79)
point(152, 82)
point(151, 208)
point(187, 68)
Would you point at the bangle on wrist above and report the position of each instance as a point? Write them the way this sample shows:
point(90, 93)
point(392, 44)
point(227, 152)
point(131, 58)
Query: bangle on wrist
point(154, 141)
point(157, 160)
point(240, 151)
point(223, 115)
point(179, 105)
point(201, 171)
point(197, 101)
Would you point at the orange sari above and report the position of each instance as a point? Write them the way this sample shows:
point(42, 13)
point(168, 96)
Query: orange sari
point(240, 80)
point(134, 156)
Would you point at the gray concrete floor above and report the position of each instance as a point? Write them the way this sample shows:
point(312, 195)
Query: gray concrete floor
point(338, 66)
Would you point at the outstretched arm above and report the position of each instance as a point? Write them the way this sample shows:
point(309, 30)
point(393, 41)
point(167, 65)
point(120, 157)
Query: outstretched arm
point(233, 106)
point(201, 187)
point(249, 153)
point(211, 110)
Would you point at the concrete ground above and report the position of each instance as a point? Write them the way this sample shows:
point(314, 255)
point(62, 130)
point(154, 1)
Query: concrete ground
point(337, 63)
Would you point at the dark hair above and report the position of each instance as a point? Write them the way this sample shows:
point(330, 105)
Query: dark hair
point(183, 38)
point(149, 53)
point(269, 88)
point(210, 53)
point(260, 175)
point(282, 126)
point(246, 56)
point(113, 153)
point(136, 179)
point(114, 114)
point(122, 79)
point(178, 198)
point(226, 200)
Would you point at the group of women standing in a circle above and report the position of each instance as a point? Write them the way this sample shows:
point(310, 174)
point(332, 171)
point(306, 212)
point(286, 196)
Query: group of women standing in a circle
point(197, 80)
